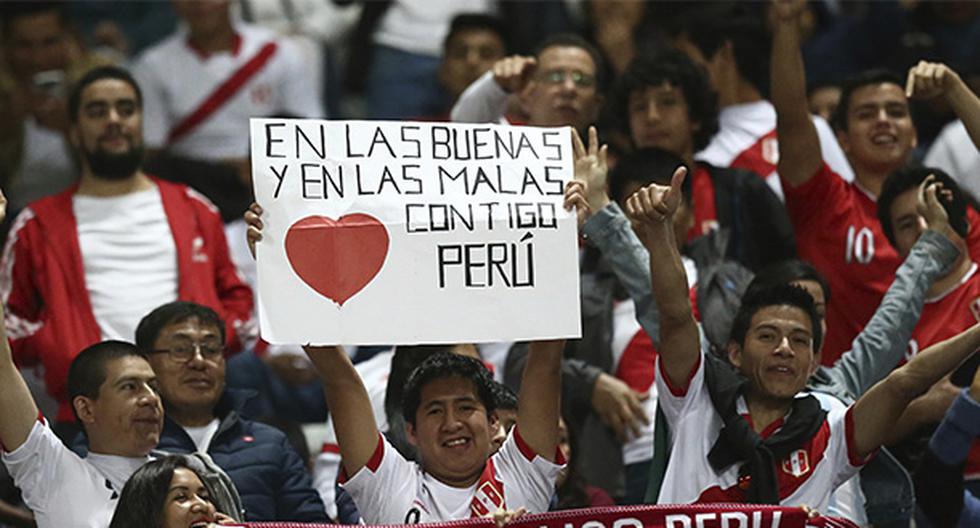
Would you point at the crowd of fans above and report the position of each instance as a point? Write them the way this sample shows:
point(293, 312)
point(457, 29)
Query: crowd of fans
point(778, 210)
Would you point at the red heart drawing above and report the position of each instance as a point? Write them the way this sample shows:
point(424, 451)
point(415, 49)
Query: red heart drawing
point(337, 258)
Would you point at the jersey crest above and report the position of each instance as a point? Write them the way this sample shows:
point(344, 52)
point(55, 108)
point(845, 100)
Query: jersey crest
point(797, 463)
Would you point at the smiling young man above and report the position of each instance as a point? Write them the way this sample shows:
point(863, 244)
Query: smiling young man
point(185, 346)
point(741, 431)
point(82, 266)
point(836, 223)
point(113, 393)
point(448, 408)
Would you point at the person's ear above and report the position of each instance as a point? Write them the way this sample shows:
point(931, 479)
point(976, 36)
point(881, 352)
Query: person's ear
point(85, 408)
point(410, 434)
point(735, 354)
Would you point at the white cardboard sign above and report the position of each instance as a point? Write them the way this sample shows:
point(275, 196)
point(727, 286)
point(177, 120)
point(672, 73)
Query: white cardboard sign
point(401, 232)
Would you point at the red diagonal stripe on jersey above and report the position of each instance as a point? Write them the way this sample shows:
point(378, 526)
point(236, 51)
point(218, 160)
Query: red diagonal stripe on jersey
point(223, 93)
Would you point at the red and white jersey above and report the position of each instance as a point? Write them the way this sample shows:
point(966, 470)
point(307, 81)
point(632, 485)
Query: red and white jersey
point(806, 476)
point(746, 139)
point(63, 489)
point(178, 83)
point(947, 314)
point(837, 230)
point(392, 490)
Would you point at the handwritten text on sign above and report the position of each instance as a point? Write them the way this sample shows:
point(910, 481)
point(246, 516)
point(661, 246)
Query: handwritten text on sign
point(402, 232)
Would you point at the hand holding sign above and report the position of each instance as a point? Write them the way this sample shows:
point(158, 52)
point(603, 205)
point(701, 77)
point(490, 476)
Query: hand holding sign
point(592, 168)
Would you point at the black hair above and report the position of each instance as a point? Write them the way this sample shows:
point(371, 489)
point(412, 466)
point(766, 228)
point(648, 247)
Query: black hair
point(144, 496)
point(775, 295)
point(786, 272)
point(87, 371)
point(504, 397)
point(443, 365)
point(11, 11)
point(741, 23)
point(571, 40)
point(646, 166)
point(847, 88)
point(153, 323)
point(478, 22)
point(911, 177)
point(94, 75)
point(670, 66)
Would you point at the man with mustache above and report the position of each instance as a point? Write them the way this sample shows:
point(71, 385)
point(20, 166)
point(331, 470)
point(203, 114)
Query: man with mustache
point(83, 266)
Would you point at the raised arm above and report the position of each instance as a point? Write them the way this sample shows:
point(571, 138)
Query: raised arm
point(539, 402)
point(349, 404)
point(18, 413)
point(799, 145)
point(485, 101)
point(651, 210)
point(928, 80)
point(875, 413)
point(883, 341)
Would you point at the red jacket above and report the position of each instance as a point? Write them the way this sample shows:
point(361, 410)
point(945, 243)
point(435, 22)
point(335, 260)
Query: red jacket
point(49, 314)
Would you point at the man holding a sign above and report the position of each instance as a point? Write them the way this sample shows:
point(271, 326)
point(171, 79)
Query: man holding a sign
point(359, 214)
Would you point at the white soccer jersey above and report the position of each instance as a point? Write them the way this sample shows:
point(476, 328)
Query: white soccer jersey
point(807, 476)
point(746, 139)
point(392, 490)
point(176, 80)
point(63, 489)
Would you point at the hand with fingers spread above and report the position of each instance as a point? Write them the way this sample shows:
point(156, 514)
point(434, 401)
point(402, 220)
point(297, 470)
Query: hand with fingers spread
point(575, 197)
point(927, 80)
point(514, 73)
point(619, 406)
point(253, 218)
point(592, 168)
point(931, 194)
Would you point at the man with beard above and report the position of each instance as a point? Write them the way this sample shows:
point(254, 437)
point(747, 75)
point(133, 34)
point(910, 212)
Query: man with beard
point(84, 265)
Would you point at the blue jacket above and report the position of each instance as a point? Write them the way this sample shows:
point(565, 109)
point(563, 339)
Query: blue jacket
point(271, 478)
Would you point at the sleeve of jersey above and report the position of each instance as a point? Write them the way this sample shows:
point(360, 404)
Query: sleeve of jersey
point(846, 461)
point(299, 99)
point(385, 487)
point(830, 150)
point(156, 118)
point(676, 401)
point(235, 295)
point(18, 289)
point(818, 204)
point(484, 101)
point(39, 465)
point(528, 479)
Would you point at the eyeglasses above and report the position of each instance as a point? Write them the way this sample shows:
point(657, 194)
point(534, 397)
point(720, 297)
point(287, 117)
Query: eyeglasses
point(581, 80)
point(184, 352)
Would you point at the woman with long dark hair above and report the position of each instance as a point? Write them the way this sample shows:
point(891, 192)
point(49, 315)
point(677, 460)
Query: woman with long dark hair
point(170, 492)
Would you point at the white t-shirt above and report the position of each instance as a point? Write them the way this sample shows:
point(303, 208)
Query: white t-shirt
point(807, 476)
point(392, 490)
point(129, 257)
point(954, 152)
point(747, 137)
point(63, 489)
point(201, 436)
point(283, 86)
point(420, 26)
